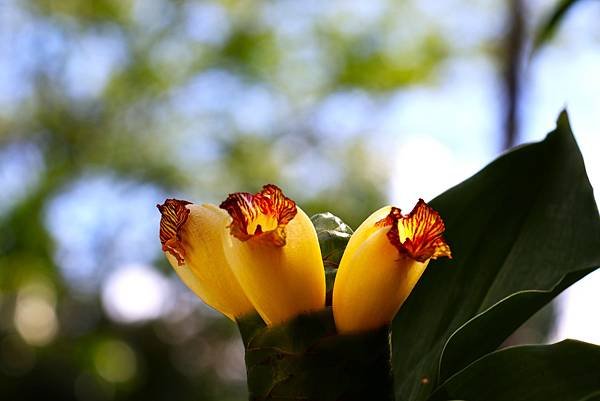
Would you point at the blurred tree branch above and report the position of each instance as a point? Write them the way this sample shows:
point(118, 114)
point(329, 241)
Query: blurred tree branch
point(513, 61)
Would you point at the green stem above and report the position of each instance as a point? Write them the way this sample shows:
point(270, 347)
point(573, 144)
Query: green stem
point(305, 359)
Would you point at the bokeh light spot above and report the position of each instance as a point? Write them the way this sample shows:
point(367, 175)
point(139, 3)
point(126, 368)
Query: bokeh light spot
point(35, 317)
point(135, 293)
point(115, 361)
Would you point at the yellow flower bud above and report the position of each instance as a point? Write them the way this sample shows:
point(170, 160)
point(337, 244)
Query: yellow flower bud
point(382, 263)
point(274, 252)
point(192, 239)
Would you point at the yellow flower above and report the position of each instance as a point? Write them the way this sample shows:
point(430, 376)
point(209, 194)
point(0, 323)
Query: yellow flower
point(192, 239)
point(383, 261)
point(274, 252)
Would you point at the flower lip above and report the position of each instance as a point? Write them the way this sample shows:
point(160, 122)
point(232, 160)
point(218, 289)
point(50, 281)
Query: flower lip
point(174, 214)
point(262, 216)
point(417, 235)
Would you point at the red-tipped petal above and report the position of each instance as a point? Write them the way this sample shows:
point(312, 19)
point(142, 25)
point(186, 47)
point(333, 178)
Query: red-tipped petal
point(174, 214)
point(262, 216)
point(418, 234)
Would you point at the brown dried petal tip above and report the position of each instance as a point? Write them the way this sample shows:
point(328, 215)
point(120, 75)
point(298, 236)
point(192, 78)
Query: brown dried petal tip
point(174, 215)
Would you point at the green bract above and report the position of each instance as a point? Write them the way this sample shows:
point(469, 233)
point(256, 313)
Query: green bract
point(305, 359)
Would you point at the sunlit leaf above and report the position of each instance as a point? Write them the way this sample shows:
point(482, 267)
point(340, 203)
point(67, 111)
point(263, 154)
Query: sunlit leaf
point(333, 236)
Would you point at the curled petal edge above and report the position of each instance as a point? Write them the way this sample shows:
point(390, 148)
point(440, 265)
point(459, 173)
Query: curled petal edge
point(262, 216)
point(417, 235)
point(174, 214)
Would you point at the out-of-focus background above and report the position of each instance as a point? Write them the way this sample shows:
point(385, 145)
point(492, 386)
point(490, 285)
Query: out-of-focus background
point(109, 106)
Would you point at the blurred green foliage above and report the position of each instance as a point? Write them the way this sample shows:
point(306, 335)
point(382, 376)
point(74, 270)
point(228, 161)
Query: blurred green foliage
point(130, 125)
point(553, 20)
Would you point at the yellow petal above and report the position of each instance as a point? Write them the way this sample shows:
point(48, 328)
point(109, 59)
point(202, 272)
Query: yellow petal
point(200, 260)
point(364, 231)
point(372, 283)
point(382, 263)
point(280, 281)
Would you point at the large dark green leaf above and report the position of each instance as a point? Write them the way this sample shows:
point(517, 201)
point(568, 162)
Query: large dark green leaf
point(567, 371)
point(527, 224)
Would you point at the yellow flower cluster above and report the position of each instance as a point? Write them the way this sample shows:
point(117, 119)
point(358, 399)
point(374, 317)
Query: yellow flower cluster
point(260, 252)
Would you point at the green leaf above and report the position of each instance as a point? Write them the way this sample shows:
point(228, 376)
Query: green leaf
point(305, 359)
point(549, 26)
point(595, 396)
point(502, 319)
point(592, 397)
point(527, 224)
point(333, 236)
point(567, 371)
